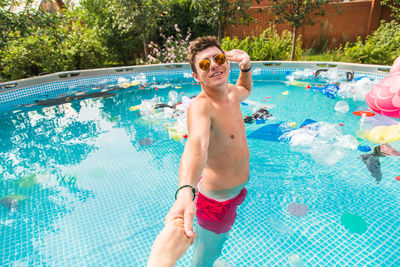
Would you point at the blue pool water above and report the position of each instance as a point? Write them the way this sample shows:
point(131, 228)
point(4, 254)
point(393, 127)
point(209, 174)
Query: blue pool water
point(89, 182)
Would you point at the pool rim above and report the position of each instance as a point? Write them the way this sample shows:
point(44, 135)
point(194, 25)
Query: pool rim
point(10, 86)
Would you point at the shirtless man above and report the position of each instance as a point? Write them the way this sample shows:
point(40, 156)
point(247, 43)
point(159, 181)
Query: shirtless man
point(215, 160)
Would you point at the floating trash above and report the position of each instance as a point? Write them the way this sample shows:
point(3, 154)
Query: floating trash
point(66, 179)
point(387, 150)
point(33, 179)
point(134, 108)
point(373, 164)
point(354, 223)
point(295, 261)
point(342, 106)
point(363, 113)
point(382, 134)
point(364, 148)
point(27, 181)
point(278, 225)
point(11, 201)
point(260, 121)
point(324, 141)
point(113, 119)
point(173, 97)
point(147, 141)
point(297, 209)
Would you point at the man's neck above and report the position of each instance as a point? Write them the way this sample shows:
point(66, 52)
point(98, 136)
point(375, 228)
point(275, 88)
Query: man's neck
point(217, 94)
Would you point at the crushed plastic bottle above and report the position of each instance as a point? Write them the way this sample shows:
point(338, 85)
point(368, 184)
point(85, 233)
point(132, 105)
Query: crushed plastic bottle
point(342, 106)
point(173, 97)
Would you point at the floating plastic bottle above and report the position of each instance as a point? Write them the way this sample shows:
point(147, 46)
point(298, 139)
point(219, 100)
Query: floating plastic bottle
point(342, 106)
point(173, 97)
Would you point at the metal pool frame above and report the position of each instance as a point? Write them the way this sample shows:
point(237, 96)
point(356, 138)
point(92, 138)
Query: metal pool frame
point(11, 86)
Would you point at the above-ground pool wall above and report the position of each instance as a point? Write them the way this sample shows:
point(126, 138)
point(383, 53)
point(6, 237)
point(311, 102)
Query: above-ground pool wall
point(20, 92)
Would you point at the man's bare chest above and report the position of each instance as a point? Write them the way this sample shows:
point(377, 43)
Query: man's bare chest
point(228, 124)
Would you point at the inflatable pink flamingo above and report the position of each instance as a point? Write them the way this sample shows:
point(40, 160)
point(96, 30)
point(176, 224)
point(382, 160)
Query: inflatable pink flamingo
point(384, 98)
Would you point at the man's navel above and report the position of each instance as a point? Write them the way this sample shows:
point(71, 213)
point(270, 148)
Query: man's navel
point(232, 136)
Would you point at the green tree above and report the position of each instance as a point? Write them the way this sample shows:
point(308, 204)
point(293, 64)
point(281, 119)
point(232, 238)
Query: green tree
point(221, 12)
point(122, 45)
point(394, 5)
point(10, 22)
point(269, 45)
point(182, 13)
point(381, 47)
point(137, 16)
point(297, 13)
point(67, 44)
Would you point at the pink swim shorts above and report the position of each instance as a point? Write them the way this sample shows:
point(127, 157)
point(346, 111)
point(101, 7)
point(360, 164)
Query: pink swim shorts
point(217, 216)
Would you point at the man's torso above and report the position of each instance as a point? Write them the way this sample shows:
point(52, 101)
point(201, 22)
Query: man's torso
point(228, 154)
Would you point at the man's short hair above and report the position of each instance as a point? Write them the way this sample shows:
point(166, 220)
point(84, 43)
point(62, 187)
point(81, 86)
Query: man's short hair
point(200, 44)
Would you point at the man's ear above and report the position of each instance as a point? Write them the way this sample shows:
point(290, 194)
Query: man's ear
point(196, 76)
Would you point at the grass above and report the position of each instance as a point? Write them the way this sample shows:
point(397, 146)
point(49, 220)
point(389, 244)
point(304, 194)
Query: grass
point(329, 55)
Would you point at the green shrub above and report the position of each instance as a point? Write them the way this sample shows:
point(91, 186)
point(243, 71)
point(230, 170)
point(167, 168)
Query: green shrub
point(269, 45)
point(68, 45)
point(30, 56)
point(174, 49)
point(382, 47)
point(185, 15)
point(81, 47)
point(328, 55)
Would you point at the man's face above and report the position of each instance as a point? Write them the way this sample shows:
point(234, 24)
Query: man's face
point(216, 75)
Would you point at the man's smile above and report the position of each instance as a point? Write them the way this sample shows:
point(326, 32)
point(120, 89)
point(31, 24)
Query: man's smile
point(216, 74)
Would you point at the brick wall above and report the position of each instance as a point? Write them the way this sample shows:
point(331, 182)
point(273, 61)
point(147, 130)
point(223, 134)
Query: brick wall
point(356, 19)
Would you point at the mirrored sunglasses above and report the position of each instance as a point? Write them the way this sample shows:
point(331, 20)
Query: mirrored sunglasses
point(206, 63)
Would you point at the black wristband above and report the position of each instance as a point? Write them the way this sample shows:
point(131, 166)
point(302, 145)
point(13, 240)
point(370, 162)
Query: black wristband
point(246, 70)
point(186, 185)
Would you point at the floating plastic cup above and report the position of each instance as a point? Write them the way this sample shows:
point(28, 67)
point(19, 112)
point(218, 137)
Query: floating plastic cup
point(295, 261)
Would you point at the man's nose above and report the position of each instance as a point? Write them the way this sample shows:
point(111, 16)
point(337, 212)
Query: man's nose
point(213, 64)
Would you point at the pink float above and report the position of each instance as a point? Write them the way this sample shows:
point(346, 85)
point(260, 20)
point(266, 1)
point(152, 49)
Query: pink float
point(384, 98)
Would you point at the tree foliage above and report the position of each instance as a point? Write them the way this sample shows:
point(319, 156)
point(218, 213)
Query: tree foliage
point(183, 14)
point(269, 45)
point(221, 12)
point(121, 44)
point(174, 49)
point(297, 13)
point(381, 47)
point(138, 16)
point(394, 6)
point(65, 45)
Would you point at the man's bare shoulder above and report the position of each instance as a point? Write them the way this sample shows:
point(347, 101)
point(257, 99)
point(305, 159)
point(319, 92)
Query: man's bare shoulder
point(200, 105)
point(233, 90)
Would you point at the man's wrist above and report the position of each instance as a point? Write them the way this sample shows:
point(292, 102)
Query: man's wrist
point(245, 69)
point(186, 191)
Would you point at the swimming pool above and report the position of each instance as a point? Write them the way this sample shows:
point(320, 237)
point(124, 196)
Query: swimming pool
point(87, 180)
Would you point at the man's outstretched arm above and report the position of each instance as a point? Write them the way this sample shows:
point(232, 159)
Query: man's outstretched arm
point(192, 163)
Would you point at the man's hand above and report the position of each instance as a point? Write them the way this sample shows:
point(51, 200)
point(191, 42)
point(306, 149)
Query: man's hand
point(185, 208)
point(240, 56)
